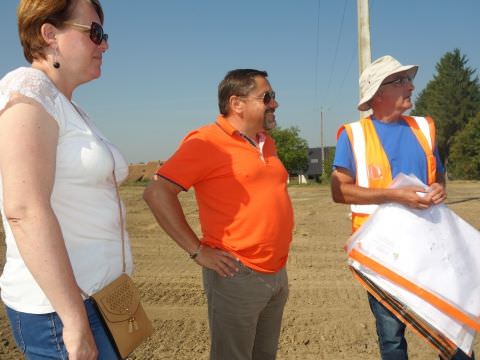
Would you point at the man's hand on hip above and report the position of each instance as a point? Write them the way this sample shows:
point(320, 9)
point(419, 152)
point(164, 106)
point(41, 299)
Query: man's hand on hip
point(222, 262)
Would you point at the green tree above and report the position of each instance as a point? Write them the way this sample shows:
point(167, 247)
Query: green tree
point(464, 160)
point(291, 148)
point(451, 98)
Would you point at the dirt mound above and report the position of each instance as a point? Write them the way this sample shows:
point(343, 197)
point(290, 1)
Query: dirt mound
point(141, 172)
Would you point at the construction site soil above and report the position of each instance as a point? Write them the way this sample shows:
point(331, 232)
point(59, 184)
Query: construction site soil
point(327, 314)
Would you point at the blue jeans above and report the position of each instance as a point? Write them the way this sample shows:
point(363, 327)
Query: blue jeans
point(391, 334)
point(39, 336)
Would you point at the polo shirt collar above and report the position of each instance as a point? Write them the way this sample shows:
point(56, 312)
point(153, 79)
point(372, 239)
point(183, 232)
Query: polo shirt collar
point(225, 125)
point(230, 130)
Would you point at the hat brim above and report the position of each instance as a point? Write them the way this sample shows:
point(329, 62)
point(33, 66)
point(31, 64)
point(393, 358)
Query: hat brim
point(363, 104)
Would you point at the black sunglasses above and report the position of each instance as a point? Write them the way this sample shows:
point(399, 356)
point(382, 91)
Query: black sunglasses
point(95, 30)
point(266, 97)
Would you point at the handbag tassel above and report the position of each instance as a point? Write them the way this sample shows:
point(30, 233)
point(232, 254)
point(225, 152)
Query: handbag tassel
point(132, 325)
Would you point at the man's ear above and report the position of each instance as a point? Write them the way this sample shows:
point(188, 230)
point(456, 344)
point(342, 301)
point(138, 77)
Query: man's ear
point(49, 33)
point(236, 104)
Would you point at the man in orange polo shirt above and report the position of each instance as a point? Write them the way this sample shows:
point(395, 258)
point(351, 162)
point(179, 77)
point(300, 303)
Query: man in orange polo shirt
point(245, 214)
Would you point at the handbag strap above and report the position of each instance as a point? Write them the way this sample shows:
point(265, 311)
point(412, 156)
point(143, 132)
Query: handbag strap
point(120, 212)
point(115, 184)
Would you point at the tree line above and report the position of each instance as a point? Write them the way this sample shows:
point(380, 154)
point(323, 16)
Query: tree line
point(451, 98)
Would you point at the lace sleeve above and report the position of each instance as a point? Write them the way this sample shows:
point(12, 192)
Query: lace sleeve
point(31, 83)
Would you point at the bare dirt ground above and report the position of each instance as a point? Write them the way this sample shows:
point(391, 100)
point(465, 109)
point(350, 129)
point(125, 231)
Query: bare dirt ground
point(327, 315)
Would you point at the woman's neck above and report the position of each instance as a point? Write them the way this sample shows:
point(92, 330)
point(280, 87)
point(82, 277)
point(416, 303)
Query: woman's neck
point(56, 76)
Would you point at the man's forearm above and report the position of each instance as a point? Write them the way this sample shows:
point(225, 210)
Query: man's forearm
point(354, 194)
point(168, 212)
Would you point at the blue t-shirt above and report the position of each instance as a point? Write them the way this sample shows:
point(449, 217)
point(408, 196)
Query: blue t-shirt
point(402, 148)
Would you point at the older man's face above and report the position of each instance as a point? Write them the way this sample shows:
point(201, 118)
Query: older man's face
point(395, 93)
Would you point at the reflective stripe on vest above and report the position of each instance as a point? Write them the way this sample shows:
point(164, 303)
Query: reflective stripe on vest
point(372, 165)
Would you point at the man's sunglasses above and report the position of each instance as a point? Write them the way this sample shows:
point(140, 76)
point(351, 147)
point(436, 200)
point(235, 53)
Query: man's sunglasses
point(407, 79)
point(267, 97)
point(95, 30)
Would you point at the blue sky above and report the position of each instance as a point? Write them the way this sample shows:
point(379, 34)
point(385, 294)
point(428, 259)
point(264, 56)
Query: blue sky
point(166, 59)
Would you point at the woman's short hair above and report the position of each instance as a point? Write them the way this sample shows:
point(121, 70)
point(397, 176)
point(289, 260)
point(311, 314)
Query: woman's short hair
point(237, 82)
point(32, 14)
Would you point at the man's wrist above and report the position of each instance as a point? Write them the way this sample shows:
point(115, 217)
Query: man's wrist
point(194, 254)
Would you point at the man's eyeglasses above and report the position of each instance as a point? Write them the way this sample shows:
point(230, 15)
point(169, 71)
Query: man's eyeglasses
point(95, 30)
point(401, 81)
point(267, 97)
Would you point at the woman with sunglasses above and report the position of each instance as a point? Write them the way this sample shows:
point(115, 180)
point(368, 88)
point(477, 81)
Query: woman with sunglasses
point(57, 186)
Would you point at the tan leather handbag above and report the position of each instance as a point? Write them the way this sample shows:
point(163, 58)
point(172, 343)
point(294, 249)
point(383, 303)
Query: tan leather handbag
point(123, 314)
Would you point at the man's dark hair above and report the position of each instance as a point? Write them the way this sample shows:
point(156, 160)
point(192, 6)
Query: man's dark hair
point(237, 82)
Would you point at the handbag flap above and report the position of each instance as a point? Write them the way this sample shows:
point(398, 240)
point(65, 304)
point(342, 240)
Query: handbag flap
point(119, 300)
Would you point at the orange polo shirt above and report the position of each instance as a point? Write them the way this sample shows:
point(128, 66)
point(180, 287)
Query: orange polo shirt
point(242, 197)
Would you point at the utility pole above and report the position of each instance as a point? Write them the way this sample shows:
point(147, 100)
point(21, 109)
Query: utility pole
point(364, 50)
point(322, 132)
point(321, 142)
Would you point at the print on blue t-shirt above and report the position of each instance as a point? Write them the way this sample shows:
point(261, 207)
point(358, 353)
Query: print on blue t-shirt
point(402, 148)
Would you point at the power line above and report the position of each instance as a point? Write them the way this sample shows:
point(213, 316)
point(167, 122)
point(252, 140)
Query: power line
point(352, 58)
point(336, 49)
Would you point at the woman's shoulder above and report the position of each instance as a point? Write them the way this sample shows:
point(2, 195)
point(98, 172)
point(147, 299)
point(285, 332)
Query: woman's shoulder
point(29, 82)
point(26, 79)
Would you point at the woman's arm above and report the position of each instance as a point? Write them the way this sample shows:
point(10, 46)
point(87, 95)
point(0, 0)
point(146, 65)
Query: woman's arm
point(28, 142)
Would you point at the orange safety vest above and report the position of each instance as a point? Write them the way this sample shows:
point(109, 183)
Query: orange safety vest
point(372, 165)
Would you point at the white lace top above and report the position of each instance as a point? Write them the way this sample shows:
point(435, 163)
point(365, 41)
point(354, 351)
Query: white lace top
point(83, 198)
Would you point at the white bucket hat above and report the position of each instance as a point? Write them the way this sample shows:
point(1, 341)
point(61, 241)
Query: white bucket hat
point(375, 73)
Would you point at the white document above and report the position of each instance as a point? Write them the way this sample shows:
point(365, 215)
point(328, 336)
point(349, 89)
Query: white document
point(434, 249)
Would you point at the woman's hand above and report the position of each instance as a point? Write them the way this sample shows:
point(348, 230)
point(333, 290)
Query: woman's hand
point(80, 343)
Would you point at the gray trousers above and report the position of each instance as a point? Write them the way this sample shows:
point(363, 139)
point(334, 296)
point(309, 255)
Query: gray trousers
point(245, 313)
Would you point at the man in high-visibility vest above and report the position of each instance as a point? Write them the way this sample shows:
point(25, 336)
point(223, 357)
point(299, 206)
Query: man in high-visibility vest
point(371, 152)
